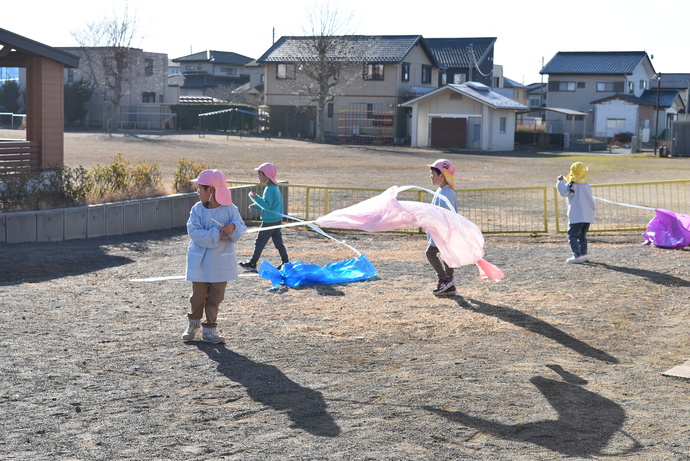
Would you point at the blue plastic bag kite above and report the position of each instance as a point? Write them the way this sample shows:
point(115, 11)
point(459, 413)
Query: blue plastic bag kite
point(300, 274)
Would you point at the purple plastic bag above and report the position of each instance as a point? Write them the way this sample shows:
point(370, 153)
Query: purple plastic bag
point(668, 230)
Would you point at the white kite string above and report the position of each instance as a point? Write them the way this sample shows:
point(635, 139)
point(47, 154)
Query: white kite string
point(625, 204)
point(299, 222)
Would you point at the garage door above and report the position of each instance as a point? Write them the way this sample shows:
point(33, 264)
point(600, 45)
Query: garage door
point(449, 132)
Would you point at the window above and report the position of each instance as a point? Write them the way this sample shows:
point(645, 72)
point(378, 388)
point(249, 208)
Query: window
point(577, 118)
point(643, 84)
point(70, 75)
point(330, 110)
point(459, 79)
point(228, 70)
point(405, 72)
point(148, 67)
point(562, 86)
point(426, 74)
point(615, 123)
point(502, 123)
point(580, 85)
point(605, 86)
point(631, 87)
point(497, 82)
point(444, 78)
point(148, 97)
point(373, 71)
point(285, 72)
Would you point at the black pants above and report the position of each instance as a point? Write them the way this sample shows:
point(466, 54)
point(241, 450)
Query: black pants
point(262, 240)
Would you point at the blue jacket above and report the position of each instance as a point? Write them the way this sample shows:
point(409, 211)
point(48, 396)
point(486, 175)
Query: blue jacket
point(208, 258)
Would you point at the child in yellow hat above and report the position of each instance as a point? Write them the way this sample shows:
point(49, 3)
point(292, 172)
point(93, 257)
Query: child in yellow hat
point(581, 209)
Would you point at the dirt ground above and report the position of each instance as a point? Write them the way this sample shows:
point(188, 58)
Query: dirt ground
point(556, 361)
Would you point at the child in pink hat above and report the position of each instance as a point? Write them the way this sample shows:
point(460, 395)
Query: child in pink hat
point(442, 176)
point(271, 204)
point(214, 226)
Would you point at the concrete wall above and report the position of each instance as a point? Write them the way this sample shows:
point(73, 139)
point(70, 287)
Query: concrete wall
point(117, 218)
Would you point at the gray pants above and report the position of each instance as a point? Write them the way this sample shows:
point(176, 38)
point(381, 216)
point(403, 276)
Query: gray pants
point(262, 240)
point(443, 271)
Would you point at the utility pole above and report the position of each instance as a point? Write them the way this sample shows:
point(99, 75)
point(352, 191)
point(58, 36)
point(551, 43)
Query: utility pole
point(656, 123)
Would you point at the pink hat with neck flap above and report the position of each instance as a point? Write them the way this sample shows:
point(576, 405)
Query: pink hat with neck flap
point(217, 180)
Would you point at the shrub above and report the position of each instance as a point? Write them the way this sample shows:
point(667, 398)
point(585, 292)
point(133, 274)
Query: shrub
point(621, 139)
point(121, 180)
point(186, 171)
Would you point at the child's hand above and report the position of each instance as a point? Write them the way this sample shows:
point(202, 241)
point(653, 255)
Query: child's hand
point(252, 194)
point(251, 207)
point(561, 177)
point(226, 232)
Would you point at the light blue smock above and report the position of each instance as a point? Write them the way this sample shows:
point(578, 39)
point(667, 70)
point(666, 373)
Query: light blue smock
point(208, 258)
point(448, 193)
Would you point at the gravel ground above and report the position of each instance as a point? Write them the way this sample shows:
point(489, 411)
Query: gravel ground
point(556, 361)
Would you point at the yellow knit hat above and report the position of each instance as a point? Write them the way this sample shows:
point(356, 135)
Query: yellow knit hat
point(578, 173)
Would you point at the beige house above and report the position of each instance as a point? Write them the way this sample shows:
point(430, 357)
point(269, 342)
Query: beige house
point(467, 116)
point(375, 75)
point(146, 95)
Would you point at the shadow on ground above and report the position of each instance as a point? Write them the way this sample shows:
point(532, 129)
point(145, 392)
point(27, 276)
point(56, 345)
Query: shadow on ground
point(537, 326)
point(586, 421)
point(269, 386)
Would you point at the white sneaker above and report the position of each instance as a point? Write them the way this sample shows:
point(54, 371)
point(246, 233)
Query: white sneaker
point(574, 260)
point(192, 329)
point(211, 336)
point(583, 258)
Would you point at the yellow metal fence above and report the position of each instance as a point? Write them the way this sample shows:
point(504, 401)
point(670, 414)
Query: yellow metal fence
point(509, 209)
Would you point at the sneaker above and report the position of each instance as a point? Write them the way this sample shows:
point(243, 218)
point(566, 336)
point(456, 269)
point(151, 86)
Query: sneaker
point(574, 260)
point(583, 258)
point(443, 285)
point(192, 329)
point(452, 291)
point(211, 336)
point(250, 266)
point(281, 266)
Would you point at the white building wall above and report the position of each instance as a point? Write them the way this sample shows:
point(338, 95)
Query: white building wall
point(615, 109)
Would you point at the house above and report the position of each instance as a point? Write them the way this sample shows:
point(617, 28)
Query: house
point(374, 75)
point(214, 73)
point(43, 66)
point(467, 116)
point(144, 94)
point(463, 60)
point(623, 113)
point(675, 81)
point(576, 79)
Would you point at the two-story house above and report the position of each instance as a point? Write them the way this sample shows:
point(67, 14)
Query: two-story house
point(463, 60)
point(144, 92)
point(213, 73)
point(577, 79)
point(375, 75)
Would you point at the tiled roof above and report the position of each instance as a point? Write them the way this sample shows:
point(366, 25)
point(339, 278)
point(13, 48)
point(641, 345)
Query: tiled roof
point(594, 62)
point(359, 48)
point(672, 81)
point(509, 83)
point(478, 92)
point(216, 57)
point(647, 98)
point(454, 53)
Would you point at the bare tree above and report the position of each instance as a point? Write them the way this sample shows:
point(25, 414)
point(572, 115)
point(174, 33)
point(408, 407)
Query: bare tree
point(110, 60)
point(325, 51)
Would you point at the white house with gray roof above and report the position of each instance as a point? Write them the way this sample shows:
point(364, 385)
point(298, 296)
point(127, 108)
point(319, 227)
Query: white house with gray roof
point(467, 116)
point(577, 79)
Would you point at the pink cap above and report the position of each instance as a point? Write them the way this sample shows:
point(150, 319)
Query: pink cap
point(445, 166)
point(269, 170)
point(216, 179)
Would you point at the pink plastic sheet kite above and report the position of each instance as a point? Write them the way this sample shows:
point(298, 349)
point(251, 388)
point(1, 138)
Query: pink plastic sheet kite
point(459, 240)
point(668, 230)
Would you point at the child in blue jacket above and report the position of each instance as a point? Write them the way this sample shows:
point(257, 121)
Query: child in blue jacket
point(271, 204)
point(214, 226)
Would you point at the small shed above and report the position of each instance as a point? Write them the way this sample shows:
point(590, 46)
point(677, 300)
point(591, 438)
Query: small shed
point(44, 97)
point(465, 116)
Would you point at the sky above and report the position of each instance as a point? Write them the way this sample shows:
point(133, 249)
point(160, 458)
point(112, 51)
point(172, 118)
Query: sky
point(528, 34)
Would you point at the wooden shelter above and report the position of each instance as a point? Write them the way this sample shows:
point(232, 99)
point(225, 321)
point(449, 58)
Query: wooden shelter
point(44, 145)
